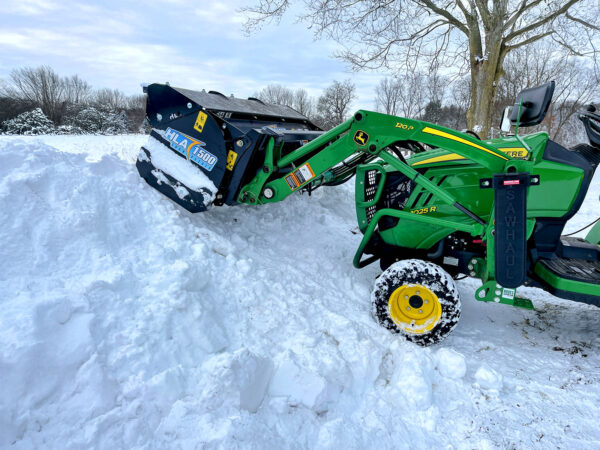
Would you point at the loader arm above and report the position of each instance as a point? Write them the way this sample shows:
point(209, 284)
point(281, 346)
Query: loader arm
point(367, 133)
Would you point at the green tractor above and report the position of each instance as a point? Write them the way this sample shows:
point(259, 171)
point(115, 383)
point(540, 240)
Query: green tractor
point(432, 203)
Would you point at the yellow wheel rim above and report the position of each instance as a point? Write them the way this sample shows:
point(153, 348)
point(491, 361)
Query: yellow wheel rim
point(415, 308)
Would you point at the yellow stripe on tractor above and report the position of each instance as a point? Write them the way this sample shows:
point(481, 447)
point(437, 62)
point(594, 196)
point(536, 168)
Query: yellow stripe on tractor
point(443, 134)
point(448, 157)
point(513, 152)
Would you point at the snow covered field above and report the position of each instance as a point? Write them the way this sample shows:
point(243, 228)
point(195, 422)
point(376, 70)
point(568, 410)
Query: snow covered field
point(126, 322)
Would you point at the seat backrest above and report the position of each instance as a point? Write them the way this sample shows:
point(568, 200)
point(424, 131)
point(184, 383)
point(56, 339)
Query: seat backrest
point(533, 103)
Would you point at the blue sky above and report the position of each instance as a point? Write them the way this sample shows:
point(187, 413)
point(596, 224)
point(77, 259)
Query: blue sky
point(192, 44)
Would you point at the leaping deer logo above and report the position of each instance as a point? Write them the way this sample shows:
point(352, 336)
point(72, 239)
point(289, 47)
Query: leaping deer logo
point(361, 138)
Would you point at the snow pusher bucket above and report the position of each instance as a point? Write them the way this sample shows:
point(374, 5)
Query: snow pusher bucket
point(205, 146)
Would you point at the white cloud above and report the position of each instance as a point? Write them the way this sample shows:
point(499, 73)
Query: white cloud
point(122, 44)
point(219, 13)
point(30, 7)
point(15, 40)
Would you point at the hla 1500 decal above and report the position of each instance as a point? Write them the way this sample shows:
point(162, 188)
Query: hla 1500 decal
point(191, 148)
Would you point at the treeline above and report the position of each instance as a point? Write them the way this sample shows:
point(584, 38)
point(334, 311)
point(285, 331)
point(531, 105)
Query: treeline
point(416, 96)
point(428, 97)
point(326, 111)
point(40, 101)
point(433, 97)
point(445, 100)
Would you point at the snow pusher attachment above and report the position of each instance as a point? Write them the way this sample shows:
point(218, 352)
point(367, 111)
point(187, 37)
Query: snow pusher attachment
point(432, 203)
point(204, 146)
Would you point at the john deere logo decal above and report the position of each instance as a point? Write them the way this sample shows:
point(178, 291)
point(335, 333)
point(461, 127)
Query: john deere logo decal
point(361, 138)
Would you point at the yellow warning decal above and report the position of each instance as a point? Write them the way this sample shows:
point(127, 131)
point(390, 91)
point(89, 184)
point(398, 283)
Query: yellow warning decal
point(231, 158)
point(200, 121)
point(299, 176)
point(452, 137)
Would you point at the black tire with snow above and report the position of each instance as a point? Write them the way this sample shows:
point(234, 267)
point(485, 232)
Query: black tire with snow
point(415, 271)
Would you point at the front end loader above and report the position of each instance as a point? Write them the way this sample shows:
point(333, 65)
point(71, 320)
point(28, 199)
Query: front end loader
point(433, 204)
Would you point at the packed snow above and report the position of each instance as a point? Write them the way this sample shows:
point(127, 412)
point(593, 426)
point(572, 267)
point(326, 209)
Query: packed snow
point(178, 168)
point(126, 322)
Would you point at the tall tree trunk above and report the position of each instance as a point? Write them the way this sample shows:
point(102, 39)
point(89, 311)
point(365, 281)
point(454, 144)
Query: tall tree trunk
point(486, 71)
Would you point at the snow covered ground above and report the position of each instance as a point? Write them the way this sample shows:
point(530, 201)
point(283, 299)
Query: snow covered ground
point(126, 322)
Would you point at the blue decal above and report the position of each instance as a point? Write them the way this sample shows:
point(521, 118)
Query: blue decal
point(191, 148)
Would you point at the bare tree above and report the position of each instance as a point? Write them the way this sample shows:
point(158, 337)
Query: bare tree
point(303, 103)
point(76, 90)
point(435, 85)
point(39, 86)
point(413, 90)
point(277, 94)
point(461, 93)
point(110, 100)
point(136, 102)
point(136, 112)
point(473, 36)
point(333, 105)
point(386, 96)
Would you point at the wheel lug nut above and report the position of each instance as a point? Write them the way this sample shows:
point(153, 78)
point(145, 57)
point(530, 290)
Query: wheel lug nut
point(408, 308)
point(426, 301)
point(420, 311)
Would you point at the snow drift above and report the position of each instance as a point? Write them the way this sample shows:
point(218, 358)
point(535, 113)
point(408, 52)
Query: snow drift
point(127, 323)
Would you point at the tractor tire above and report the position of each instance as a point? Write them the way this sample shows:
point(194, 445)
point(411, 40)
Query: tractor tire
point(417, 299)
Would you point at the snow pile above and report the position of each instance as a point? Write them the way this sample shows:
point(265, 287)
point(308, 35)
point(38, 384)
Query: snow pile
point(126, 322)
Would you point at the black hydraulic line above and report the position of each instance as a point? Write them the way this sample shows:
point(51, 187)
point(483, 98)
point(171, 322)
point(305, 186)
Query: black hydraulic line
point(584, 228)
point(472, 215)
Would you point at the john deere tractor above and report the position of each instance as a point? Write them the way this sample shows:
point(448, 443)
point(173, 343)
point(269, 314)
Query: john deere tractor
point(432, 203)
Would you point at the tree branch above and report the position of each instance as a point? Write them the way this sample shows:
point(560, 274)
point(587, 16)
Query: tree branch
point(522, 9)
point(265, 11)
point(463, 9)
point(563, 9)
point(582, 22)
point(567, 46)
point(442, 12)
point(531, 40)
